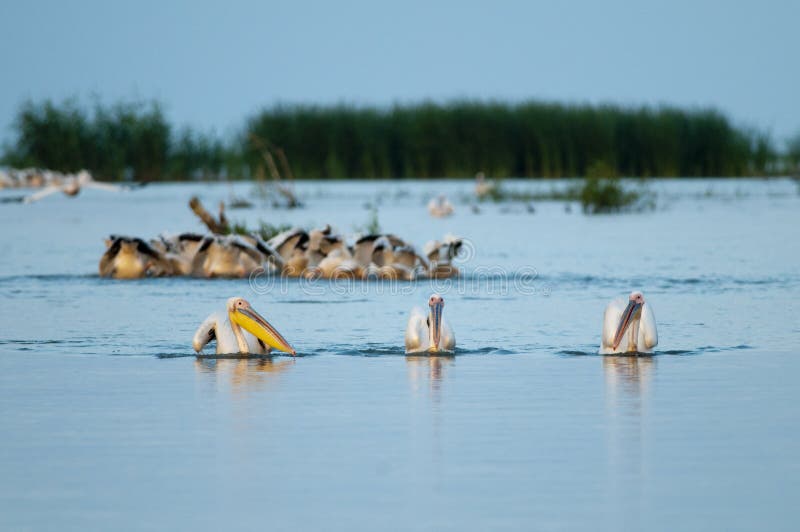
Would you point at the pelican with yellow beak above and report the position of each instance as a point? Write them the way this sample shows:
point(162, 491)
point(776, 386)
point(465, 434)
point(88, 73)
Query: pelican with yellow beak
point(240, 330)
point(429, 333)
point(629, 329)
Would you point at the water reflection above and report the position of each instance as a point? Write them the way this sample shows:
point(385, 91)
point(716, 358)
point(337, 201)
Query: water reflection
point(627, 383)
point(428, 372)
point(243, 373)
point(628, 376)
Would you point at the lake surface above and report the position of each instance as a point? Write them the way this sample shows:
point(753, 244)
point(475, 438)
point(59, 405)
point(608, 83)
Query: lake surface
point(108, 420)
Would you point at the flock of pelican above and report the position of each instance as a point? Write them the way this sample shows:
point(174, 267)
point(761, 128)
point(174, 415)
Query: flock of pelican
point(319, 253)
point(628, 326)
point(240, 329)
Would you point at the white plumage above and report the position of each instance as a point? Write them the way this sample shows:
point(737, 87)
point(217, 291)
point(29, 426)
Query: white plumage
point(234, 331)
point(429, 333)
point(219, 327)
point(72, 186)
point(629, 326)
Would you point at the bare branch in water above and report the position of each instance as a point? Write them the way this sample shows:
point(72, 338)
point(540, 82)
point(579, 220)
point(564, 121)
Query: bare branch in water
point(219, 227)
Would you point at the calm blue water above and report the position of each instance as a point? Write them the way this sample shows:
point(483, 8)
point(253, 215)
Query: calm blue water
point(109, 422)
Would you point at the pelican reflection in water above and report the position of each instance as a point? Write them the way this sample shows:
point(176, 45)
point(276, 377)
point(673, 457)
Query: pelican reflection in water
point(628, 380)
point(427, 372)
point(628, 376)
point(244, 373)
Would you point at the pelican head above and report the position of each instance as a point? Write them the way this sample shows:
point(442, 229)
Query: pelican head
point(436, 303)
point(242, 314)
point(632, 313)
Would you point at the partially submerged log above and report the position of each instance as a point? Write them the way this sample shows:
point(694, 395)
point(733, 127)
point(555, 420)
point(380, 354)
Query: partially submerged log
point(218, 227)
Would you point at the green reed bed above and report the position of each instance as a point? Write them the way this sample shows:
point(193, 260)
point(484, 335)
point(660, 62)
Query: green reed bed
point(456, 139)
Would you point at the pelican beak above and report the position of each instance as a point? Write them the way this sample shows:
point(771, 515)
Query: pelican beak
point(631, 311)
point(436, 324)
point(251, 321)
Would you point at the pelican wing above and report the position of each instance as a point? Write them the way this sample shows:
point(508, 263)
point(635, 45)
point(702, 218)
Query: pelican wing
point(159, 265)
point(200, 256)
point(270, 255)
point(285, 242)
point(206, 332)
point(417, 335)
point(46, 191)
point(647, 328)
point(362, 250)
point(431, 250)
point(247, 249)
point(99, 185)
point(448, 339)
point(106, 265)
point(406, 256)
point(611, 319)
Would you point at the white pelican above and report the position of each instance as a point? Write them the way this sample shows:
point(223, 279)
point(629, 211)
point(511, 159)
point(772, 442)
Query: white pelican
point(286, 242)
point(258, 336)
point(429, 333)
point(273, 260)
point(321, 245)
point(441, 255)
point(390, 261)
point(364, 247)
point(440, 207)
point(291, 246)
point(296, 264)
point(132, 258)
point(225, 256)
point(179, 250)
point(629, 329)
point(337, 264)
point(483, 188)
point(72, 186)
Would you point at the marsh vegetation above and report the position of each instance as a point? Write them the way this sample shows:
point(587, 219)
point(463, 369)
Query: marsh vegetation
point(531, 139)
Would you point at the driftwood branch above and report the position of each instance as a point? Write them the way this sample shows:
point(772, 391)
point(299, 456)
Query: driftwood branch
point(219, 227)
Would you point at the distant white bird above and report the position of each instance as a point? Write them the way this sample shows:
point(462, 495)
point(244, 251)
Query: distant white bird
point(429, 333)
point(629, 329)
point(239, 329)
point(483, 188)
point(440, 207)
point(72, 186)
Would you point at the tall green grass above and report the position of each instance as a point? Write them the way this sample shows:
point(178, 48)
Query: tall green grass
point(120, 141)
point(531, 139)
point(526, 140)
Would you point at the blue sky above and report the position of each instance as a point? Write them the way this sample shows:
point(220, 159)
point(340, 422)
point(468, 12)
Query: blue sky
point(213, 63)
